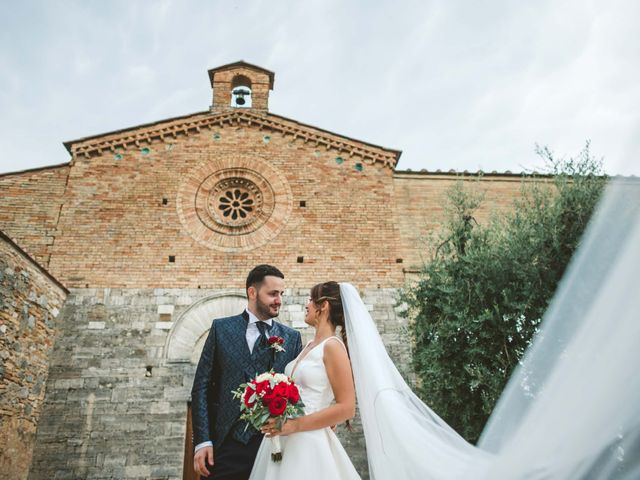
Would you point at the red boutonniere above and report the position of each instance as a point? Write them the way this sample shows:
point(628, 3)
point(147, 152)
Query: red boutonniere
point(276, 343)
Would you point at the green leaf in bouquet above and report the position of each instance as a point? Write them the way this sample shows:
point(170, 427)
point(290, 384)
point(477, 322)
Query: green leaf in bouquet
point(263, 418)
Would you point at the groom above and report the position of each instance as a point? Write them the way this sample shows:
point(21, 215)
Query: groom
point(235, 351)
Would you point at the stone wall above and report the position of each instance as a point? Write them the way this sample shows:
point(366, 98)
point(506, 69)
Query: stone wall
point(30, 300)
point(116, 404)
point(30, 204)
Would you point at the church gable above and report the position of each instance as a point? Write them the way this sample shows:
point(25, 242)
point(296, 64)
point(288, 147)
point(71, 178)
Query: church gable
point(240, 95)
point(196, 200)
point(166, 132)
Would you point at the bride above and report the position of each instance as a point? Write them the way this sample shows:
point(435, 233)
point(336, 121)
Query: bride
point(322, 371)
point(570, 411)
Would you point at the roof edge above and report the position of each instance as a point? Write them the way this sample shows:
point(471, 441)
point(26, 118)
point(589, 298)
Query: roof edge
point(466, 173)
point(35, 169)
point(39, 267)
point(69, 143)
point(396, 152)
point(195, 122)
point(242, 63)
point(507, 173)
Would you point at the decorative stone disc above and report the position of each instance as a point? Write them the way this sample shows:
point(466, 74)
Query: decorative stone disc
point(234, 204)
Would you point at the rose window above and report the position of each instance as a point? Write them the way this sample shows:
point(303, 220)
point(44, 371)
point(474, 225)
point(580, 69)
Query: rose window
point(234, 204)
point(237, 201)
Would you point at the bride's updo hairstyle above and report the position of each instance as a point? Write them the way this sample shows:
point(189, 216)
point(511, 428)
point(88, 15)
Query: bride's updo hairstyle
point(330, 292)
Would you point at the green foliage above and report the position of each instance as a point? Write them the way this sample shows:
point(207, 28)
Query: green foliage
point(481, 297)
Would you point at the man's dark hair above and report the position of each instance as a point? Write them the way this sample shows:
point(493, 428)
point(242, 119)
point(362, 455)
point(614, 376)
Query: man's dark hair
point(256, 276)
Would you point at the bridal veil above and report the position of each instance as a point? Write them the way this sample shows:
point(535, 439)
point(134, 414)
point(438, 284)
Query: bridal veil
point(571, 410)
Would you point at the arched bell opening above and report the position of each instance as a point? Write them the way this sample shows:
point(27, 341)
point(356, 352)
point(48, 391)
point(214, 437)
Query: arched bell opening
point(241, 92)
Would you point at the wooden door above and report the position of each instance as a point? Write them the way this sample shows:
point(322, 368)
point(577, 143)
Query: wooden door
point(188, 473)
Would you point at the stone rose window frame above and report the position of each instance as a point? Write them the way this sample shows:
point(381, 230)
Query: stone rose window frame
point(234, 205)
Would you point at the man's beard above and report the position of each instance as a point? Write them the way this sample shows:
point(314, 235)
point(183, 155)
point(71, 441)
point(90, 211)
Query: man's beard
point(263, 310)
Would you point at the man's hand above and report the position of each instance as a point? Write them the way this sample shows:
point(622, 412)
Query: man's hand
point(203, 457)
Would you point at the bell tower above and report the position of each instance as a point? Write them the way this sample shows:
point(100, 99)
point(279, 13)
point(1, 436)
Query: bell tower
point(240, 85)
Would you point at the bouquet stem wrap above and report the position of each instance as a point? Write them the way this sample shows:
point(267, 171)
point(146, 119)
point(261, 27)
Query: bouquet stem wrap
point(276, 449)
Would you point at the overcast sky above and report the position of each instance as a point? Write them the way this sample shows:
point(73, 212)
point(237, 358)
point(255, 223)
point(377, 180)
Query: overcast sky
point(462, 85)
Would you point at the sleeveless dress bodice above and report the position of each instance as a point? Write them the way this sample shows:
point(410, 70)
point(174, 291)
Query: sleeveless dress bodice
point(310, 375)
point(315, 454)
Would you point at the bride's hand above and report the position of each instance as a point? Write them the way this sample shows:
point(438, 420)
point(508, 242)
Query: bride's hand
point(271, 430)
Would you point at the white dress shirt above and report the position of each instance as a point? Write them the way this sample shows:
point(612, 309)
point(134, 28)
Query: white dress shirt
point(252, 335)
point(252, 329)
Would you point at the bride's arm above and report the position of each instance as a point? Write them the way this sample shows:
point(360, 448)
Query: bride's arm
point(338, 368)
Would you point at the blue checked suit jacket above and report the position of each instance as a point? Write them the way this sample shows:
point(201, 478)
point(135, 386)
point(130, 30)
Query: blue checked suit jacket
point(225, 363)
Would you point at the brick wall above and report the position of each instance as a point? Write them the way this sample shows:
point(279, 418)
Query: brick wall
point(115, 231)
point(420, 199)
point(29, 207)
point(30, 300)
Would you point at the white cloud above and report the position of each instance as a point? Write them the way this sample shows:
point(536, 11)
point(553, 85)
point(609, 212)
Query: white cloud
point(461, 85)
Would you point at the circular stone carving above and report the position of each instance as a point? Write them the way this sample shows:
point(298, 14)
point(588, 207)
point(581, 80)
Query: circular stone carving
point(234, 205)
point(235, 202)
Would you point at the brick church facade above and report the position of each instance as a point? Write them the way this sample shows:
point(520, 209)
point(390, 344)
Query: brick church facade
point(114, 264)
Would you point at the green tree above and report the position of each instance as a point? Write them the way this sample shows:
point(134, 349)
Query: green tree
point(479, 300)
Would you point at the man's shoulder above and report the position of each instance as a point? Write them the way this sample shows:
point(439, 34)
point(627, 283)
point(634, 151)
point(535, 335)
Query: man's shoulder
point(227, 321)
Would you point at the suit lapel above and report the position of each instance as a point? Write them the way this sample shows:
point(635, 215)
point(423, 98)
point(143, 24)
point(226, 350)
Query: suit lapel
point(239, 335)
point(276, 330)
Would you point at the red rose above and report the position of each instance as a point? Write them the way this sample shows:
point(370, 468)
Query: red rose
point(294, 393)
point(267, 398)
point(262, 387)
point(247, 395)
point(281, 389)
point(274, 339)
point(277, 406)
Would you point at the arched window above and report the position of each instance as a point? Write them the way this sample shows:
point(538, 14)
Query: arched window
point(241, 92)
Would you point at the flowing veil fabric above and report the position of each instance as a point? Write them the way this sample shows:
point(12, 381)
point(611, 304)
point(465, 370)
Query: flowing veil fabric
point(572, 408)
point(405, 439)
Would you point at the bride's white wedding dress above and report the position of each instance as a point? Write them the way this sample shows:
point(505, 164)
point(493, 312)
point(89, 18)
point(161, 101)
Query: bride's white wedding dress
point(313, 455)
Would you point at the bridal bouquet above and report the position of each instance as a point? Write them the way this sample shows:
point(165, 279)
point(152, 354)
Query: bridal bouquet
point(269, 395)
